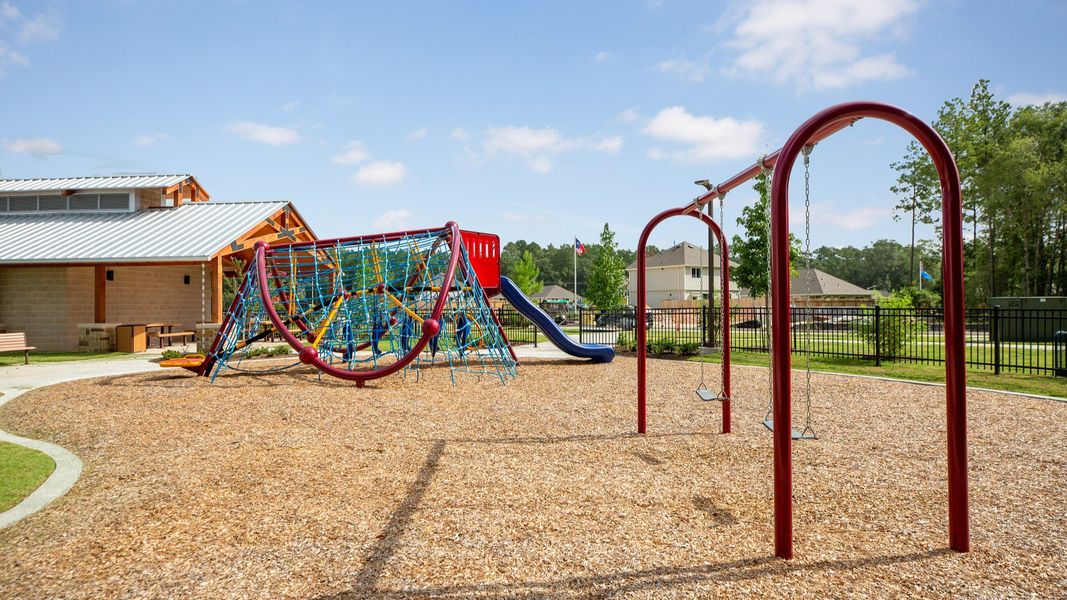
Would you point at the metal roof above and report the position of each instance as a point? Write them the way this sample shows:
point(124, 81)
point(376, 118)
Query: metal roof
point(191, 232)
point(113, 182)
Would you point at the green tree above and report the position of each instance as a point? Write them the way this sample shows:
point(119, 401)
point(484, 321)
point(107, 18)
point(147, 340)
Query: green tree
point(526, 274)
point(606, 286)
point(752, 250)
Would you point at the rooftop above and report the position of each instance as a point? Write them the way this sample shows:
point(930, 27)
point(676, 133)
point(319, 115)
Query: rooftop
point(191, 232)
point(108, 182)
point(684, 254)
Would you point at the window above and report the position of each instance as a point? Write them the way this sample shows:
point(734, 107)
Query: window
point(56, 203)
point(20, 203)
point(51, 203)
point(695, 272)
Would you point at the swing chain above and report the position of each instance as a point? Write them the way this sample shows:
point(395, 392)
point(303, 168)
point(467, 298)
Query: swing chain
point(807, 299)
point(768, 172)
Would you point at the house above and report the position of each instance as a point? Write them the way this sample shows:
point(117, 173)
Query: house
point(80, 255)
point(678, 273)
point(818, 288)
point(555, 293)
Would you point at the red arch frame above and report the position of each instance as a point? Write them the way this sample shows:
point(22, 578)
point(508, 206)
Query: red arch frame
point(642, 335)
point(952, 273)
point(429, 327)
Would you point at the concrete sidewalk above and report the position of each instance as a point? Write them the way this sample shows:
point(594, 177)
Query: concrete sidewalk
point(17, 380)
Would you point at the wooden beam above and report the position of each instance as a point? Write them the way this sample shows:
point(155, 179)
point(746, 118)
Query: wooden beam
point(100, 294)
point(216, 289)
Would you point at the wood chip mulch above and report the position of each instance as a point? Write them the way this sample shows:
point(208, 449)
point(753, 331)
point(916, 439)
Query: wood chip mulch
point(289, 485)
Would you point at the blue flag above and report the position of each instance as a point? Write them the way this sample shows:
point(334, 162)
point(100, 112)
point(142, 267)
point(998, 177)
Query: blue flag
point(926, 276)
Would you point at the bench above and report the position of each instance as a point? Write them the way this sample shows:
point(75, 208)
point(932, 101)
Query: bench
point(171, 335)
point(15, 342)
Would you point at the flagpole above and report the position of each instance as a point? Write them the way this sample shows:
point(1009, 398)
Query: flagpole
point(576, 273)
point(920, 274)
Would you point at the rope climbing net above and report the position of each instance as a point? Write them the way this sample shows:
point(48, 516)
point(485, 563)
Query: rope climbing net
point(357, 307)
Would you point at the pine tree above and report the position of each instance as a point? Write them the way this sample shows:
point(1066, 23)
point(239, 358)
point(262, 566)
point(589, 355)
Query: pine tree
point(752, 250)
point(606, 288)
point(526, 274)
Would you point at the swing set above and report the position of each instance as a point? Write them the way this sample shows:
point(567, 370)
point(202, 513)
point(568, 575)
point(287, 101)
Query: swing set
point(780, 164)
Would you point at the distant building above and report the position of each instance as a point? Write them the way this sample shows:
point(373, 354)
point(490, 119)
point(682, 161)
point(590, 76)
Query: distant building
point(678, 273)
point(822, 289)
point(555, 293)
point(78, 256)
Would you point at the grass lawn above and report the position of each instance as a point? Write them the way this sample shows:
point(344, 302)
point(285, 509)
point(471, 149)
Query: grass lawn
point(21, 471)
point(1030, 384)
point(16, 358)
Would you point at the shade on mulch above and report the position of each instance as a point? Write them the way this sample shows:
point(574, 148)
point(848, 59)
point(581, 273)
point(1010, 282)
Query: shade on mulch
point(291, 486)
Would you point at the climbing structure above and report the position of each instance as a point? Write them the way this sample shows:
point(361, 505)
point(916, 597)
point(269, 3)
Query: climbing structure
point(364, 307)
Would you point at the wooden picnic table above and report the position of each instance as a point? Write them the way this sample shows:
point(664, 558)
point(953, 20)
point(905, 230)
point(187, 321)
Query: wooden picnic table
point(169, 334)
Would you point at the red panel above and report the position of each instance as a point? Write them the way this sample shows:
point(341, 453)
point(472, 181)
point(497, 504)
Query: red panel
point(483, 250)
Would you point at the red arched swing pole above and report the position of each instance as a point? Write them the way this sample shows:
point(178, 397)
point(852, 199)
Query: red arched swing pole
point(642, 334)
point(952, 272)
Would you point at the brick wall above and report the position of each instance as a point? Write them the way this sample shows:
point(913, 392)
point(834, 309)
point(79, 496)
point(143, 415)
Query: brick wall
point(48, 303)
point(146, 294)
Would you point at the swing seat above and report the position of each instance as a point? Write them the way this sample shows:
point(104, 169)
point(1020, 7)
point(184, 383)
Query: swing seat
point(797, 434)
point(708, 396)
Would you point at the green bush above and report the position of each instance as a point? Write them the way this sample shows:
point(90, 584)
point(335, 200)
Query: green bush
point(169, 354)
point(894, 330)
point(688, 348)
point(279, 350)
point(626, 341)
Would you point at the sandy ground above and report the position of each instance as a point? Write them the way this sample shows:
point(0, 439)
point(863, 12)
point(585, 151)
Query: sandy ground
point(288, 486)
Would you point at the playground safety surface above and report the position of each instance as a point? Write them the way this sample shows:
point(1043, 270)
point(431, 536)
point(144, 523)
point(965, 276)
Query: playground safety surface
point(286, 485)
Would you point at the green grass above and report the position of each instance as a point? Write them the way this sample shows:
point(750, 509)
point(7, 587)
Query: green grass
point(16, 358)
point(21, 471)
point(1011, 382)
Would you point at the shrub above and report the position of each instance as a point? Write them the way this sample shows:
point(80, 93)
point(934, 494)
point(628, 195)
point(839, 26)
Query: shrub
point(626, 342)
point(688, 348)
point(889, 335)
point(169, 354)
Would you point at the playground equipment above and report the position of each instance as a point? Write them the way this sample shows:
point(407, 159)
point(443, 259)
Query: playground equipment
point(362, 308)
point(642, 334)
point(817, 128)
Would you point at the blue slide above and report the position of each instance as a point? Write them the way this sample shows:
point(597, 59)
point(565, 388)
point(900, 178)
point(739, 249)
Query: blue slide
point(597, 352)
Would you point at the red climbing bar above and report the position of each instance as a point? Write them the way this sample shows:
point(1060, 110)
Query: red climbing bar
point(825, 123)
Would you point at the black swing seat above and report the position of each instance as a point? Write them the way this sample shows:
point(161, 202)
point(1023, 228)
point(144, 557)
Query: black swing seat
point(797, 434)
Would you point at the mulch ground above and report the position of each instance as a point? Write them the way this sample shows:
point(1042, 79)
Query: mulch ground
point(291, 486)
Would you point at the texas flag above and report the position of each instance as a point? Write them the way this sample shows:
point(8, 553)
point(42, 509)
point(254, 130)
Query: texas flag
point(579, 247)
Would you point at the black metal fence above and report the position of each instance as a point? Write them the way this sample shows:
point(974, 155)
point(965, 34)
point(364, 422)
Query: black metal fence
point(997, 339)
point(518, 328)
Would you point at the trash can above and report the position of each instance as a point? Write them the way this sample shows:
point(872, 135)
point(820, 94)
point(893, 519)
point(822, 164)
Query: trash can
point(131, 338)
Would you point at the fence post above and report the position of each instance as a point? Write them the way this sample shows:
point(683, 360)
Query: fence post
point(877, 335)
point(704, 329)
point(581, 324)
point(994, 331)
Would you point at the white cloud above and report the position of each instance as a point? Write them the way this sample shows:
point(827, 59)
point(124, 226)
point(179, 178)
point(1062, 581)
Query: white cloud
point(34, 146)
point(9, 12)
point(602, 56)
point(290, 106)
point(538, 146)
point(827, 213)
point(707, 138)
point(418, 134)
point(1030, 99)
point(393, 220)
point(11, 58)
point(150, 139)
point(41, 27)
point(693, 71)
point(265, 134)
point(817, 43)
point(628, 116)
point(460, 134)
point(381, 173)
point(353, 152)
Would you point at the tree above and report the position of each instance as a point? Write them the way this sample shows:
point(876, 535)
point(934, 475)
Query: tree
point(526, 274)
point(751, 251)
point(606, 286)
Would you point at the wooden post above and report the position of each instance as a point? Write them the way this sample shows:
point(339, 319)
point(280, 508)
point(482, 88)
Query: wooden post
point(100, 294)
point(216, 289)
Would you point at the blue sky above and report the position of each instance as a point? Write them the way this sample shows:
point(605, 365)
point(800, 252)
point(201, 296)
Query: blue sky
point(536, 120)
